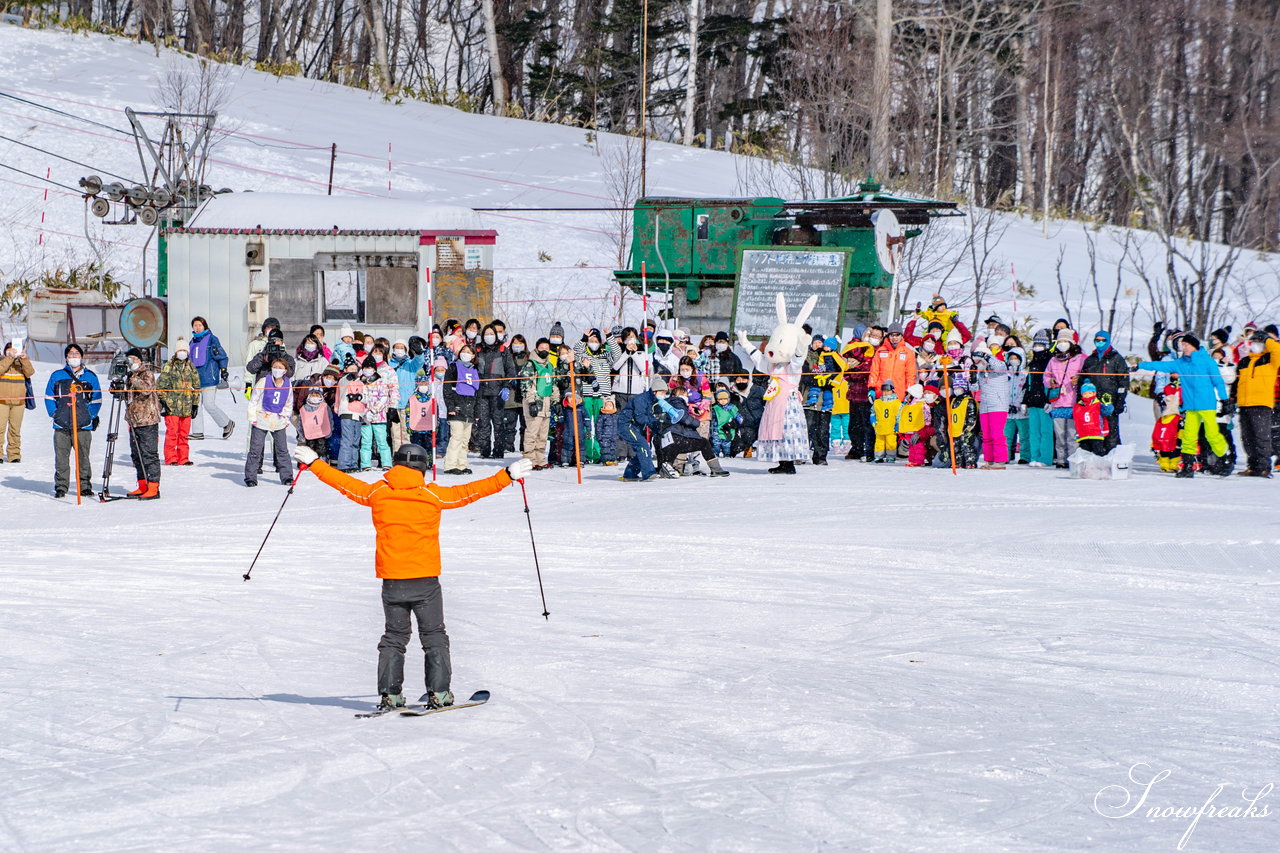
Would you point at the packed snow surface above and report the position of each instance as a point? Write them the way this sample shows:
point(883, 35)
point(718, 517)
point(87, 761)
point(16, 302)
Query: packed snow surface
point(860, 657)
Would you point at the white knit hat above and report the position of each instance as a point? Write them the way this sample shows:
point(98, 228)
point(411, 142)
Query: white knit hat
point(347, 332)
point(180, 345)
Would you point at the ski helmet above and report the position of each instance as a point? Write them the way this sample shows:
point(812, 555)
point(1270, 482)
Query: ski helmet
point(412, 456)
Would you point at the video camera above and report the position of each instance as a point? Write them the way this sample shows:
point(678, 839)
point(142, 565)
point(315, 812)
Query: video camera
point(118, 373)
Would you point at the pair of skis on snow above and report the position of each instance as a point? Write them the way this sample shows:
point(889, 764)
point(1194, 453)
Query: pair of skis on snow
point(422, 709)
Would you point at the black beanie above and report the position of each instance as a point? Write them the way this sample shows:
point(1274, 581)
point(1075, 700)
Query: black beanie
point(1272, 330)
point(556, 330)
point(1189, 338)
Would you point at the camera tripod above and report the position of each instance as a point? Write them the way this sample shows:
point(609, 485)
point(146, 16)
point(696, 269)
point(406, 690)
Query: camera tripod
point(118, 406)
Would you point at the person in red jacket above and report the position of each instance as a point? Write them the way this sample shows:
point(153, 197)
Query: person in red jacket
point(406, 516)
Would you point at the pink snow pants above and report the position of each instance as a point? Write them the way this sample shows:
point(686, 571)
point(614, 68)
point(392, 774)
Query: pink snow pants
point(995, 450)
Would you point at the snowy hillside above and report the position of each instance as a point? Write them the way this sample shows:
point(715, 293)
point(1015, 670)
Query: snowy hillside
point(550, 264)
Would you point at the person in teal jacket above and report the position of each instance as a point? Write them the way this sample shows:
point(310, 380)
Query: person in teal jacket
point(1202, 388)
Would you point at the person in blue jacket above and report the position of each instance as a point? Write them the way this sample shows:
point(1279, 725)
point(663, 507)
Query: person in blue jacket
point(210, 361)
point(634, 418)
point(1202, 388)
point(75, 385)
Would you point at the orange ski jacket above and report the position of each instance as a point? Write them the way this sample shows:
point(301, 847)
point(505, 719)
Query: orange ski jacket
point(406, 514)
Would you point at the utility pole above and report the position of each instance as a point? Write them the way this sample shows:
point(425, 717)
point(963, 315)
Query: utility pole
point(644, 100)
point(881, 91)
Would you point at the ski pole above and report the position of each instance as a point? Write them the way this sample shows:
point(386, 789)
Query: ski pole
point(296, 477)
point(546, 614)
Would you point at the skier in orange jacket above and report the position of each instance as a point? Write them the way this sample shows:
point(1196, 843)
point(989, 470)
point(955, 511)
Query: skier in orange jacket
point(406, 516)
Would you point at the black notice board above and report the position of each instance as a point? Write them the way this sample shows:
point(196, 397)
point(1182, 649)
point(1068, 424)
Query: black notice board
point(798, 273)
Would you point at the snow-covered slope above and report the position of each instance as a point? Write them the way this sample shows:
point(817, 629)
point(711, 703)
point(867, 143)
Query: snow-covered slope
point(551, 264)
point(861, 657)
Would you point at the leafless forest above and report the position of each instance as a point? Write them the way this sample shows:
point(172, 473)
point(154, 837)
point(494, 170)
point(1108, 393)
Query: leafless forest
point(1156, 113)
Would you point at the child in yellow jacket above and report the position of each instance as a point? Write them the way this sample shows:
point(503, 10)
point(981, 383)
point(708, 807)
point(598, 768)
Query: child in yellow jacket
point(884, 419)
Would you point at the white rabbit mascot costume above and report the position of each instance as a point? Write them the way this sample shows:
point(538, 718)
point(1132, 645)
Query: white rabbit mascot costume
point(784, 435)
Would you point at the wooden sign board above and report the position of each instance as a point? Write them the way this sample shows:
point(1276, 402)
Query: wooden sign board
point(797, 273)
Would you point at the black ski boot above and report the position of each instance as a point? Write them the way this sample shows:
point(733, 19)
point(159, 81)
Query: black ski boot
point(783, 468)
point(1188, 469)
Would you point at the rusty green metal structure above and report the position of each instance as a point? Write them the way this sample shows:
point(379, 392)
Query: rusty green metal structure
point(690, 245)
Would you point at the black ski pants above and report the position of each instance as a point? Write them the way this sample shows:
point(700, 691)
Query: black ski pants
point(489, 433)
point(819, 424)
point(1255, 437)
point(420, 598)
point(685, 444)
point(144, 448)
point(862, 436)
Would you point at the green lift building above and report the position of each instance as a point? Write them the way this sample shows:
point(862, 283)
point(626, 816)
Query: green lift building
point(691, 247)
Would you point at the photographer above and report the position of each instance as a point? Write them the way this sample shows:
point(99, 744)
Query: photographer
point(260, 364)
point(75, 385)
point(15, 397)
point(142, 414)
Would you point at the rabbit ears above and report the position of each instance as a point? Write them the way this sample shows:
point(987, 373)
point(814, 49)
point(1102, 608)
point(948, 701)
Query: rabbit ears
point(805, 310)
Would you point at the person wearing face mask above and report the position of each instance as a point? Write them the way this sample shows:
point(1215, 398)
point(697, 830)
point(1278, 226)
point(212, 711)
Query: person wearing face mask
point(599, 405)
point(1060, 387)
point(471, 333)
point(556, 336)
point(538, 397)
point(636, 422)
point(260, 365)
point(1109, 373)
point(1039, 438)
point(894, 361)
point(381, 395)
point(862, 439)
point(497, 370)
point(706, 360)
point(270, 408)
point(730, 364)
point(1202, 389)
point(317, 331)
point(461, 389)
point(327, 384)
point(513, 409)
point(993, 409)
point(666, 355)
point(572, 378)
point(179, 386)
point(632, 371)
point(1256, 378)
point(350, 408)
point(16, 397)
point(405, 365)
point(256, 346)
point(748, 396)
point(1015, 429)
point(309, 359)
point(142, 414)
point(210, 361)
point(75, 385)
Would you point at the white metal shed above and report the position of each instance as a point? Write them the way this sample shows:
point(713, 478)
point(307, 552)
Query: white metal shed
point(386, 266)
